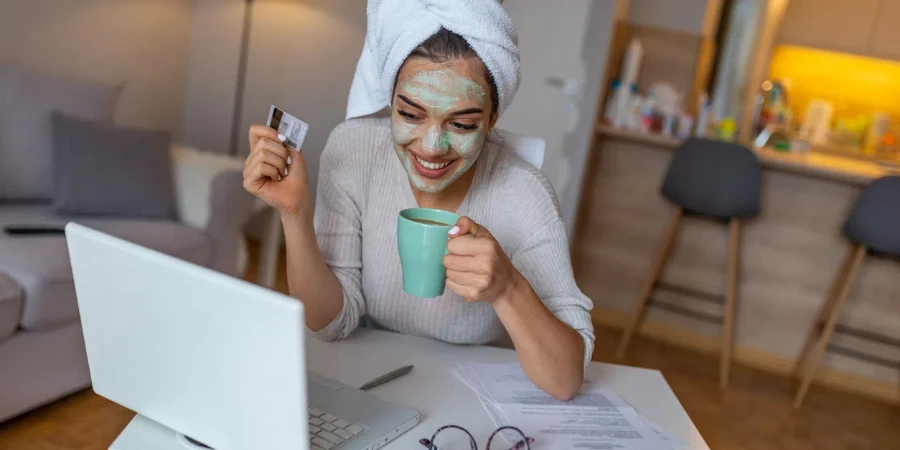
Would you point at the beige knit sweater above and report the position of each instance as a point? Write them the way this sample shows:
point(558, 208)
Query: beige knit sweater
point(363, 186)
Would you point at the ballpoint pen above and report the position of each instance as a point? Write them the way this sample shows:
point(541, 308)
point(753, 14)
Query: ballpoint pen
point(386, 377)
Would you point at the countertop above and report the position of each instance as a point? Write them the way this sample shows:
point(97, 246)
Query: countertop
point(815, 164)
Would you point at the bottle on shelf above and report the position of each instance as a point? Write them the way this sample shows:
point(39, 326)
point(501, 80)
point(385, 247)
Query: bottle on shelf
point(610, 113)
point(703, 112)
point(877, 130)
point(647, 112)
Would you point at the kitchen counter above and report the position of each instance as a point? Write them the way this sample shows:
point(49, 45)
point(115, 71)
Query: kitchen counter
point(814, 164)
point(790, 255)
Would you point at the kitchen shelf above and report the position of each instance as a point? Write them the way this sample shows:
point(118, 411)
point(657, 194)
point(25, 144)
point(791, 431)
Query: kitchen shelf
point(814, 164)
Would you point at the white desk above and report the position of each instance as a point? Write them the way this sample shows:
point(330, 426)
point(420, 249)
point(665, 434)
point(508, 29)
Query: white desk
point(433, 391)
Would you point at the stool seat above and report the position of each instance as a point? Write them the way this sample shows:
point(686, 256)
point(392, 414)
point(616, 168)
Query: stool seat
point(715, 179)
point(875, 218)
point(10, 306)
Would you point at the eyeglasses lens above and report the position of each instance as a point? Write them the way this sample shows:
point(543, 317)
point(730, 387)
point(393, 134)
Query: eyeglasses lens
point(508, 438)
point(452, 439)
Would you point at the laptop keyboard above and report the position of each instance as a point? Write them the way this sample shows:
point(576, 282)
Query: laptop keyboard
point(327, 431)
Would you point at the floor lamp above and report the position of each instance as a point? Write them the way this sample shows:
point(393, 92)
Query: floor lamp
point(241, 78)
point(267, 270)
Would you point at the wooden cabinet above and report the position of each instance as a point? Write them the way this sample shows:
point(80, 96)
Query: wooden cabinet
point(695, 17)
point(863, 27)
point(886, 32)
point(840, 25)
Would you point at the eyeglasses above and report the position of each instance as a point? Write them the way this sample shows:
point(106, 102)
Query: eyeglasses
point(452, 437)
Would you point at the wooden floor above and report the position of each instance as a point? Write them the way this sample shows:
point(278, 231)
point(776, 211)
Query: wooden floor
point(754, 414)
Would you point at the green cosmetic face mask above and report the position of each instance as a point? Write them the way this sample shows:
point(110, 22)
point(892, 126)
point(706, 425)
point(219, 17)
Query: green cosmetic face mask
point(440, 92)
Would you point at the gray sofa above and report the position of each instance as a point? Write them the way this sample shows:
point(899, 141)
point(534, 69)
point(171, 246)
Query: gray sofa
point(42, 355)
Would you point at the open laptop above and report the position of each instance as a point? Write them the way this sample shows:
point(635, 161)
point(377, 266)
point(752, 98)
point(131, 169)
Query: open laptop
point(216, 359)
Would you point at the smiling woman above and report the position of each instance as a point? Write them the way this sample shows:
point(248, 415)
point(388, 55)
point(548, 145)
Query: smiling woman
point(508, 272)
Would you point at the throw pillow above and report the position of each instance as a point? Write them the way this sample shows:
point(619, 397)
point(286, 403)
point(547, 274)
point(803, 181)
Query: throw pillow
point(105, 170)
point(26, 141)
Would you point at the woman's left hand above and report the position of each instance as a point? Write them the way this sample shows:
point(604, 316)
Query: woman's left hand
point(477, 267)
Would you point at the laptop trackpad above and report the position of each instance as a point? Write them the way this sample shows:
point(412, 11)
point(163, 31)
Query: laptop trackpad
point(326, 383)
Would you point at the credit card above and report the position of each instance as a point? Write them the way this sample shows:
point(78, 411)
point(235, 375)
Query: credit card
point(293, 128)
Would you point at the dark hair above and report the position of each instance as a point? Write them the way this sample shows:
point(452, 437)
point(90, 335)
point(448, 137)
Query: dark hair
point(446, 46)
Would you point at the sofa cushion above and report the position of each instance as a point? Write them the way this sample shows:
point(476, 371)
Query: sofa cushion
point(26, 143)
point(40, 264)
point(107, 170)
point(10, 307)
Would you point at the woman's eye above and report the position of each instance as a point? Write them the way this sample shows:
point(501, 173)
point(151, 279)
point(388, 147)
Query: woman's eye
point(466, 127)
point(407, 115)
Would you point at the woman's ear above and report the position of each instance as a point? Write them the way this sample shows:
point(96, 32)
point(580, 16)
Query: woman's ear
point(493, 121)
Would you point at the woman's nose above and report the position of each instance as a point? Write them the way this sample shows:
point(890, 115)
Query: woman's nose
point(436, 141)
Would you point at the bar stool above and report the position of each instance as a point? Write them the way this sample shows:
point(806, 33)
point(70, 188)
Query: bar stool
point(872, 226)
point(716, 180)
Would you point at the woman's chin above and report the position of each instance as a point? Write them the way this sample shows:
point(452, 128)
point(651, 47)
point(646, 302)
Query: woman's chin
point(429, 185)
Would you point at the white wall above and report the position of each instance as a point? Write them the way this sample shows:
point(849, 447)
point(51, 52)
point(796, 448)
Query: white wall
point(550, 43)
point(142, 43)
point(562, 44)
point(605, 15)
point(559, 46)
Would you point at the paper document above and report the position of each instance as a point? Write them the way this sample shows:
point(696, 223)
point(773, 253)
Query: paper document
point(597, 418)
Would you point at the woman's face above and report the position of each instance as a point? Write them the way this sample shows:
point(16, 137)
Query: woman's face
point(440, 118)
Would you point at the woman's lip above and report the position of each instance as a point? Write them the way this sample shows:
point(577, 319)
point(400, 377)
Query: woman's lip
point(430, 159)
point(426, 172)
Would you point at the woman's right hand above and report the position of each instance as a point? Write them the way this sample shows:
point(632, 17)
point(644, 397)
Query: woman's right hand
point(276, 173)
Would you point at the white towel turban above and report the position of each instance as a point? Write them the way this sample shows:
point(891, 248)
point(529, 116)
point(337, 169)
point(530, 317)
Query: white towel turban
point(397, 27)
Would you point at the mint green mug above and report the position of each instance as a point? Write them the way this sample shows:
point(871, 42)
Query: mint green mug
point(422, 236)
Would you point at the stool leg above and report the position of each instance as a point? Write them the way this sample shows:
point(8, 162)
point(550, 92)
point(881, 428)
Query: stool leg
point(659, 263)
point(816, 330)
point(731, 287)
point(859, 253)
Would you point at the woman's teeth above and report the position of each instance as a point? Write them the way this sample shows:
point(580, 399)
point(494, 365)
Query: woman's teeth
point(431, 165)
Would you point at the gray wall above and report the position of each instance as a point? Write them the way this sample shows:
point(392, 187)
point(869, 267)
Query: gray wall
point(212, 74)
point(302, 58)
point(142, 43)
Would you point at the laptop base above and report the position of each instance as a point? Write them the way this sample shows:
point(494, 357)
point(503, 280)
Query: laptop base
point(145, 434)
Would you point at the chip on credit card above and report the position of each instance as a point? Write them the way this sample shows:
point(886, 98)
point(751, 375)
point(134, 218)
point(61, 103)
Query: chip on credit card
point(291, 127)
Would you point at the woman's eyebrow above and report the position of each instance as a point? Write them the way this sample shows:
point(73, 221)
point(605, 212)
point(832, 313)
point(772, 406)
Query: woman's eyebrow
point(411, 103)
point(463, 112)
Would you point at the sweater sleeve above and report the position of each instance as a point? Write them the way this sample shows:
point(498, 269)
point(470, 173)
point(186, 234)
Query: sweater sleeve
point(544, 261)
point(338, 226)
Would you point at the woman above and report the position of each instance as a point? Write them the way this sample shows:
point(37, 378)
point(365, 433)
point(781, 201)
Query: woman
point(508, 269)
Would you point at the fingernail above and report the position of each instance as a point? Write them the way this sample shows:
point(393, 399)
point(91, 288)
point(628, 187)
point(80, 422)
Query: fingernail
point(279, 177)
point(282, 137)
point(289, 160)
point(454, 230)
point(285, 171)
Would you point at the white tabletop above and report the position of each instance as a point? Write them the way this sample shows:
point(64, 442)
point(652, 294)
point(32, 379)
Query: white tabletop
point(438, 396)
